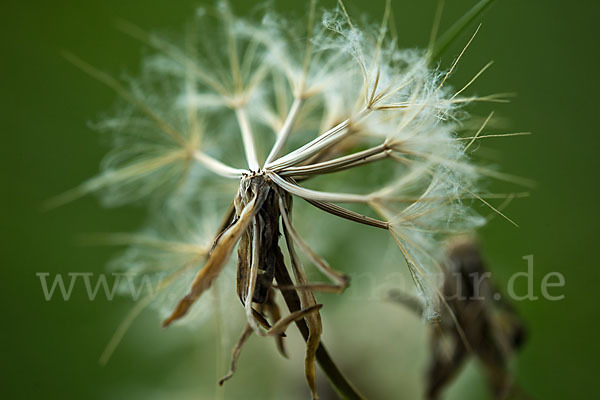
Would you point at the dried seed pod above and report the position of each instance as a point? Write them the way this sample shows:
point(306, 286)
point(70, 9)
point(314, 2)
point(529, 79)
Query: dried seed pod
point(476, 321)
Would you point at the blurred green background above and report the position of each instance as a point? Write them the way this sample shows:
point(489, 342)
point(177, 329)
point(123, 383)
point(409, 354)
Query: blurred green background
point(546, 51)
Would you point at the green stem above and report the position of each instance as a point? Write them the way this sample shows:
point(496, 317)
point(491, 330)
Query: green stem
point(339, 382)
point(459, 26)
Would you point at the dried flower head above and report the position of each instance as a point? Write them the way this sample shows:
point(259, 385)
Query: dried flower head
point(244, 114)
point(472, 325)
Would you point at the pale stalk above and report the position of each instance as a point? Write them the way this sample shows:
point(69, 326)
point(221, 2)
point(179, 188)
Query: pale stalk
point(286, 129)
point(217, 166)
point(317, 195)
point(322, 142)
point(335, 164)
point(247, 138)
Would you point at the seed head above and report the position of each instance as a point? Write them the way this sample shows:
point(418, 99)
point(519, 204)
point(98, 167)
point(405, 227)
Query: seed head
point(264, 107)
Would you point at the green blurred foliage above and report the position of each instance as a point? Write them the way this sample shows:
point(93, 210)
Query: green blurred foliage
point(546, 51)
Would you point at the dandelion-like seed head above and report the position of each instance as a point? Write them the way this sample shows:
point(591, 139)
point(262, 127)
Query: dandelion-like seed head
point(240, 117)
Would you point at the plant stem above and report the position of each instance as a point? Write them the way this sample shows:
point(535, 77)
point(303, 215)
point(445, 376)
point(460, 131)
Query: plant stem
point(339, 382)
point(457, 28)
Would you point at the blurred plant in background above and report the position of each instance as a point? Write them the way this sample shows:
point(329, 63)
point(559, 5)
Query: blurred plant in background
point(477, 322)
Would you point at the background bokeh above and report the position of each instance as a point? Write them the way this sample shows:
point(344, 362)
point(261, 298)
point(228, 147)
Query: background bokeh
point(546, 51)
